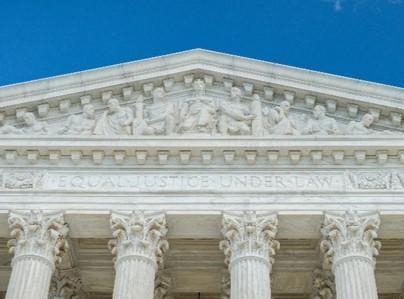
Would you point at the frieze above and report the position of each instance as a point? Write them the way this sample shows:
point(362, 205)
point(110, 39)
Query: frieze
point(21, 180)
point(332, 181)
point(200, 112)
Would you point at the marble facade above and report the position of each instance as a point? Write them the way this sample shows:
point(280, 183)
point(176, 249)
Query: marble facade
point(201, 175)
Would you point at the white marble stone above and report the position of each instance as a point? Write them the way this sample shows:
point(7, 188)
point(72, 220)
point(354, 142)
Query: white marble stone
point(139, 246)
point(38, 242)
point(351, 248)
point(249, 246)
point(196, 134)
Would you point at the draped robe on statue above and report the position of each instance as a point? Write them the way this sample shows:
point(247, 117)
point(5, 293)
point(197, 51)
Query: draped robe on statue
point(117, 123)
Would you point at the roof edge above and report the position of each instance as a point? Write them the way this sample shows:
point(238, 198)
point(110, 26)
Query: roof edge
point(194, 56)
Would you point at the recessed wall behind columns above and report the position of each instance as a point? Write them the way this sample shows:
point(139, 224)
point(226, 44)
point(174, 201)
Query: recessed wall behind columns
point(95, 224)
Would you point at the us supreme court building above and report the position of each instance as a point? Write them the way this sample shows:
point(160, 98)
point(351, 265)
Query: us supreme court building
point(201, 175)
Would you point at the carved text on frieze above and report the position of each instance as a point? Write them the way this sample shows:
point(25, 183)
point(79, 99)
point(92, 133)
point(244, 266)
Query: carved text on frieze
point(334, 181)
point(184, 182)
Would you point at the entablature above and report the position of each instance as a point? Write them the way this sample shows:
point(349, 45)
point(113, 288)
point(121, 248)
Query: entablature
point(277, 151)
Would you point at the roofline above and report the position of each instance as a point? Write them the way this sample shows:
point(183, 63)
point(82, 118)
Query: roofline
point(196, 50)
point(200, 57)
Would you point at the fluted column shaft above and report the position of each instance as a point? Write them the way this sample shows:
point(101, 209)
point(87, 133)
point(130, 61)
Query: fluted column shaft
point(250, 278)
point(134, 278)
point(30, 278)
point(355, 279)
point(38, 243)
point(349, 246)
point(139, 246)
point(249, 247)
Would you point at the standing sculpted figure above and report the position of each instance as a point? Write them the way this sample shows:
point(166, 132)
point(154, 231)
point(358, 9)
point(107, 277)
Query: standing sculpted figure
point(278, 122)
point(361, 127)
point(31, 126)
point(160, 115)
point(139, 125)
point(236, 116)
point(198, 114)
point(321, 124)
point(116, 120)
point(257, 124)
point(82, 124)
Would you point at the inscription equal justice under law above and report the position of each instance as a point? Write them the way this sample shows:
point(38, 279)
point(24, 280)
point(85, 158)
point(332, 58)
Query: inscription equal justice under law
point(196, 182)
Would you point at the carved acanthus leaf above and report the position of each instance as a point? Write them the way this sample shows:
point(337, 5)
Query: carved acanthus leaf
point(162, 286)
point(249, 234)
point(323, 284)
point(38, 233)
point(139, 234)
point(226, 286)
point(66, 284)
point(351, 234)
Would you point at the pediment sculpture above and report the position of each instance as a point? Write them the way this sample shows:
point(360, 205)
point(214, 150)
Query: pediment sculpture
point(116, 120)
point(31, 126)
point(321, 124)
point(278, 121)
point(199, 112)
point(235, 117)
point(82, 124)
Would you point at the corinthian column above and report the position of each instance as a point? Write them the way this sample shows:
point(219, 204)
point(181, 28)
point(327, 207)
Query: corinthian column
point(139, 245)
point(349, 245)
point(39, 241)
point(249, 247)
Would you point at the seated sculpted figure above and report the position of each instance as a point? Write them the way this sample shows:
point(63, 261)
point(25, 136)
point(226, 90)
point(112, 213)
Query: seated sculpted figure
point(31, 126)
point(277, 120)
point(160, 116)
point(235, 116)
point(82, 124)
point(116, 120)
point(321, 124)
point(198, 114)
point(361, 127)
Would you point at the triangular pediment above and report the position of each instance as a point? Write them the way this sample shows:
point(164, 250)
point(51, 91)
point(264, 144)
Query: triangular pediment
point(200, 92)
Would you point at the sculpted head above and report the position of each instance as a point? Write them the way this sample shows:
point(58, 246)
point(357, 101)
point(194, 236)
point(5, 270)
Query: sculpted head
point(89, 111)
point(235, 93)
point(285, 106)
point(319, 111)
point(256, 97)
point(199, 87)
point(158, 94)
point(29, 118)
point(113, 105)
point(367, 120)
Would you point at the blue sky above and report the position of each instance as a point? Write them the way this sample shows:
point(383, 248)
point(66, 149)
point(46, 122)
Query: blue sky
point(356, 38)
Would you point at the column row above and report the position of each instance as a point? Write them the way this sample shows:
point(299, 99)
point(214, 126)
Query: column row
point(140, 242)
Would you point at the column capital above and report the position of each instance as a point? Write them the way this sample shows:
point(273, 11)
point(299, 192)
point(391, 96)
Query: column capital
point(350, 235)
point(66, 284)
point(249, 235)
point(36, 234)
point(139, 235)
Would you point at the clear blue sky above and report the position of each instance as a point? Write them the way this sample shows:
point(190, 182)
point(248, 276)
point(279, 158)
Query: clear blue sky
point(356, 38)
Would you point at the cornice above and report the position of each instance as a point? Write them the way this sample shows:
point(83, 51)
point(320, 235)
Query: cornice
point(205, 61)
point(313, 150)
